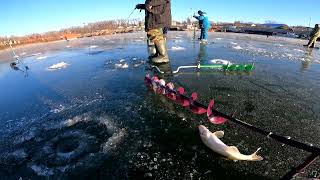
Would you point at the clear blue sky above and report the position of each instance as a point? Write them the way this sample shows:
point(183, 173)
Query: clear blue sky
point(20, 17)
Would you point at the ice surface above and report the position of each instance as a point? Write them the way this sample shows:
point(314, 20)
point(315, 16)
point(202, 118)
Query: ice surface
point(113, 107)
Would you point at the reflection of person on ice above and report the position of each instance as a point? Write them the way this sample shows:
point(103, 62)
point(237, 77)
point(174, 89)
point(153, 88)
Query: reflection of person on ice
point(315, 34)
point(157, 17)
point(204, 25)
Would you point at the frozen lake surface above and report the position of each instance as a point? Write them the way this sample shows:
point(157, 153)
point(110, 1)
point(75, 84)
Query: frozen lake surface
point(82, 109)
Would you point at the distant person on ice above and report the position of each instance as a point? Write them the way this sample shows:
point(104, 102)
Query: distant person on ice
point(315, 34)
point(204, 25)
point(157, 17)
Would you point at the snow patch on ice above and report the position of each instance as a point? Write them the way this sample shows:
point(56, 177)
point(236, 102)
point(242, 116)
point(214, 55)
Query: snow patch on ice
point(177, 48)
point(234, 43)
point(93, 46)
point(298, 50)
point(57, 110)
point(122, 65)
point(114, 141)
point(220, 61)
point(36, 54)
point(41, 57)
point(58, 66)
point(237, 47)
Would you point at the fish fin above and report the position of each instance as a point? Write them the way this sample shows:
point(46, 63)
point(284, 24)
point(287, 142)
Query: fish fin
point(219, 134)
point(233, 149)
point(256, 157)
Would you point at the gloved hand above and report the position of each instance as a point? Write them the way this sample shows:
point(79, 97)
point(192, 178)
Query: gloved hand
point(140, 6)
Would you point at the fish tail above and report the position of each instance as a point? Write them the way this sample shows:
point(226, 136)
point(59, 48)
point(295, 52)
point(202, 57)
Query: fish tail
point(255, 157)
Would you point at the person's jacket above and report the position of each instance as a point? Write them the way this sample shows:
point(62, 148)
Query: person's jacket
point(203, 21)
point(158, 16)
point(315, 32)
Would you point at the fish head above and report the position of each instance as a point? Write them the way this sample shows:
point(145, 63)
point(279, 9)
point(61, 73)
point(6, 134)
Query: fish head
point(203, 131)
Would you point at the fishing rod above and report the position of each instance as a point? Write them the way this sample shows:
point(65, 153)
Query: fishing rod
point(128, 19)
point(225, 67)
point(178, 95)
point(193, 24)
point(131, 13)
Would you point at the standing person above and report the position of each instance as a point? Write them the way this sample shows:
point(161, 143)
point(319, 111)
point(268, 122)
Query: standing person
point(157, 17)
point(204, 25)
point(315, 34)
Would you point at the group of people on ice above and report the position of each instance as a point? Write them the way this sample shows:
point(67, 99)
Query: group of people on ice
point(158, 21)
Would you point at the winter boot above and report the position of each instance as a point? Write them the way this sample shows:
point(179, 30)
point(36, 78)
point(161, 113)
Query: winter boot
point(152, 51)
point(162, 53)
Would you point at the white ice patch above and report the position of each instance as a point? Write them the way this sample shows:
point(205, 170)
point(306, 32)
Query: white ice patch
point(113, 141)
point(122, 60)
point(287, 55)
point(93, 46)
point(298, 50)
point(77, 119)
point(58, 66)
point(218, 38)
point(41, 57)
point(177, 48)
point(122, 65)
point(234, 43)
point(280, 45)
point(177, 41)
point(42, 170)
point(23, 53)
point(57, 110)
point(36, 54)
point(220, 61)
point(237, 47)
point(68, 46)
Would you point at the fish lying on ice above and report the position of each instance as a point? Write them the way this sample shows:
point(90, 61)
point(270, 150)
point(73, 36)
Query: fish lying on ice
point(212, 140)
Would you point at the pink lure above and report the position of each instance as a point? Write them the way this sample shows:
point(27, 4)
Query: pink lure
point(147, 81)
point(196, 109)
point(171, 95)
point(180, 99)
point(214, 119)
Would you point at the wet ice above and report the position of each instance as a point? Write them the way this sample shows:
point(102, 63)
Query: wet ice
point(48, 112)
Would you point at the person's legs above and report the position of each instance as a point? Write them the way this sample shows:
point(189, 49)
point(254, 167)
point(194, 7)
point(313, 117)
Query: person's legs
point(205, 34)
point(156, 36)
point(202, 33)
point(152, 51)
point(312, 42)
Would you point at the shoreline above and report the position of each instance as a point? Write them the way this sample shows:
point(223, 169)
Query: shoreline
point(6, 54)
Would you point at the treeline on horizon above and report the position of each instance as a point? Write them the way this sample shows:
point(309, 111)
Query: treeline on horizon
point(90, 29)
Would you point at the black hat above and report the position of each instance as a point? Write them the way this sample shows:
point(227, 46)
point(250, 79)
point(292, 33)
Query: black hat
point(200, 12)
